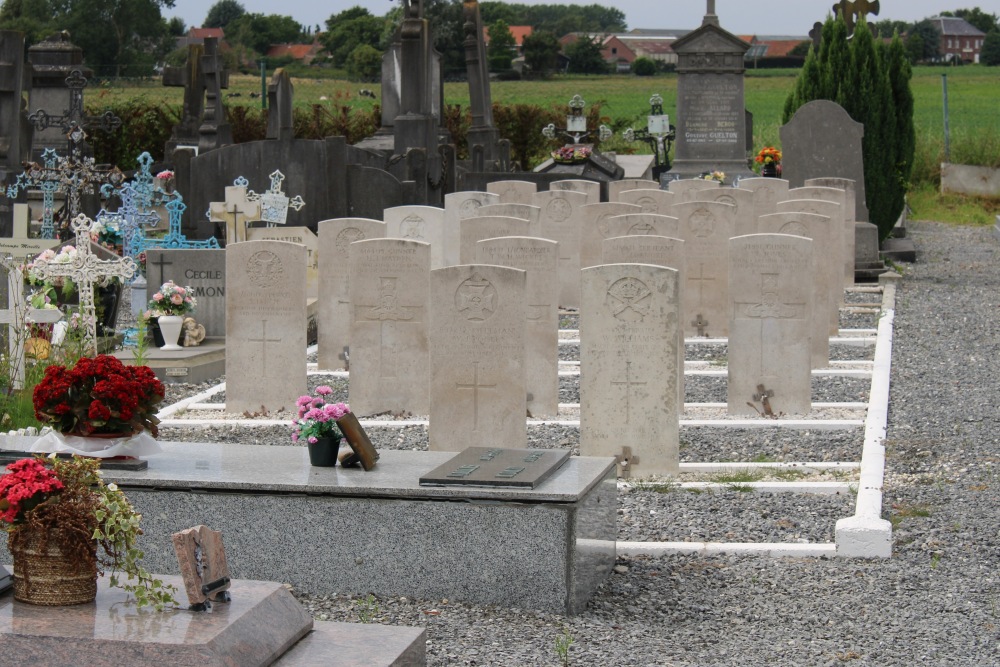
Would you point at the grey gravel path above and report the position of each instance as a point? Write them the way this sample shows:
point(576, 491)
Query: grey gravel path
point(936, 602)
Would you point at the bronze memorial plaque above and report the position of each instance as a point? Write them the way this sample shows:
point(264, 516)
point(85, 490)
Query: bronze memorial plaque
point(485, 466)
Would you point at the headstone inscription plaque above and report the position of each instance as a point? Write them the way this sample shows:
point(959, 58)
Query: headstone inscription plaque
point(486, 466)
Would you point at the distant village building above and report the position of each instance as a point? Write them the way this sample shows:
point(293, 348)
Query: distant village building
point(960, 40)
point(303, 53)
point(518, 31)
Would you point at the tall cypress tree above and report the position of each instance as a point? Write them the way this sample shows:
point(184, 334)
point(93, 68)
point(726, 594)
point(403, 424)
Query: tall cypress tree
point(899, 72)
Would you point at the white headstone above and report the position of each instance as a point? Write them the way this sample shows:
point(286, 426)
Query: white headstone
point(459, 205)
point(479, 228)
point(513, 192)
point(590, 188)
point(706, 228)
point(767, 192)
point(687, 189)
point(615, 188)
point(835, 249)
point(838, 196)
point(651, 201)
point(643, 224)
point(524, 211)
point(418, 223)
point(746, 218)
point(302, 235)
point(561, 222)
point(594, 228)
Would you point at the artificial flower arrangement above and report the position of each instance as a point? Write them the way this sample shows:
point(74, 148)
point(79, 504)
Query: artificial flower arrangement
point(768, 155)
point(99, 396)
point(571, 153)
point(64, 503)
point(65, 255)
point(166, 176)
point(317, 418)
point(719, 176)
point(107, 234)
point(172, 299)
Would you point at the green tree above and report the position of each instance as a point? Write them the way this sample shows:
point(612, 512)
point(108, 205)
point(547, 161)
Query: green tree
point(585, 56)
point(914, 48)
point(990, 54)
point(887, 27)
point(977, 18)
point(257, 32)
point(643, 66)
point(222, 13)
point(501, 48)
point(541, 52)
point(899, 74)
point(801, 49)
point(365, 63)
point(931, 40)
point(348, 30)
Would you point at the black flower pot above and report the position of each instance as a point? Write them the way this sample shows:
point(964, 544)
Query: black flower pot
point(323, 452)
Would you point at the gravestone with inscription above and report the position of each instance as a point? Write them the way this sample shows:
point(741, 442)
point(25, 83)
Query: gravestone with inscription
point(594, 228)
point(629, 408)
point(651, 201)
point(590, 188)
point(204, 271)
point(560, 222)
point(477, 379)
point(333, 316)
point(688, 189)
point(476, 229)
point(457, 206)
point(835, 249)
point(839, 196)
point(706, 228)
point(746, 220)
point(265, 325)
point(711, 112)
point(418, 223)
point(389, 354)
point(524, 211)
point(615, 188)
point(767, 192)
point(643, 224)
point(770, 288)
point(513, 192)
point(539, 259)
point(301, 235)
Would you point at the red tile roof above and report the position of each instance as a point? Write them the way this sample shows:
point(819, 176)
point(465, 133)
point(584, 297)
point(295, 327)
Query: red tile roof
point(297, 51)
point(202, 33)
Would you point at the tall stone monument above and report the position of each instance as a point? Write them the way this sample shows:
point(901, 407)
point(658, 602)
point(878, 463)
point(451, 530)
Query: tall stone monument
point(711, 125)
point(15, 131)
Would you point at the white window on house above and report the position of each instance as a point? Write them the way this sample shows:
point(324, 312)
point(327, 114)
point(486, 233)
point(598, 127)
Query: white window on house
point(949, 43)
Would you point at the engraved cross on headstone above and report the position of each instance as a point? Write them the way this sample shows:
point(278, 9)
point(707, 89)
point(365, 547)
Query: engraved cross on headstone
point(161, 262)
point(770, 307)
point(475, 387)
point(87, 271)
point(274, 203)
point(698, 280)
point(628, 383)
point(264, 340)
point(237, 209)
point(388, 312)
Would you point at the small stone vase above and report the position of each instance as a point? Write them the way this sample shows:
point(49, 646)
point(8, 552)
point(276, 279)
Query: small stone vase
point(170, 327)
point(323, 452)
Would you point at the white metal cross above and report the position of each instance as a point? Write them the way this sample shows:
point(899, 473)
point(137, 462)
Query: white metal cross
point(274, 203)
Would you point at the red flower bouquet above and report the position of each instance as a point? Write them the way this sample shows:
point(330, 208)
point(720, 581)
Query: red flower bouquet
point(97, 396)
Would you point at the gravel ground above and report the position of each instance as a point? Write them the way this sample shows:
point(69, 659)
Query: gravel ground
point(935, 602)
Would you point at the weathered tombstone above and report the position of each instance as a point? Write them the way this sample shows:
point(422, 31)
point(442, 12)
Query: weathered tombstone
point(746, 220)
point(643, 224)
point(590, 188)
point(12, 319)
point(560, 222)
point(265, 325)
point(839, 196)
point(54, 60)
point(629, 408)
point(192, 79)
point(868, 261)
point(214, 131)
point(513, 192)
point(615, 188)
point(770, 288)
point(524, 211)
point(711, 111)
point(14, 127)
point(822, 141)
point(202, 270)
point(459, 205)
point(816, 228)
point(688, 189)
point(280, 124)
point(594, 228)
point(473, 230)
point(651, 201)
point(483, 135)
point(706, 228)
point(539, 259)
point(333, 317)
point(767, 192)
point(237, 209)
point(418, 223)
point(477, 387)
point(835, 249)
point(390, 279)
point(301, 235)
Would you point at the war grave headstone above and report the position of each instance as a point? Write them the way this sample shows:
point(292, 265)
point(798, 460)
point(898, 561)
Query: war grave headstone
point(838, 196)
point(643, 224)
point(629, 408)
point(459, 205)
point(711, 112)
point(265, 325)
point(769, 351)
point(687, 189)
point(834, 212)
point(615, 188)
point(561, 222)
point(389, 283)
point(524, 211)
point(746, 220)
point(706, 228)
point(594, 228)
point(659, 251)
point(539, 259)
point(590, 188)
point(333, 317)
point(767, 192)
point(817, 229)
point(868, 262)
point(651, 201)
point(822, 141)
point(301, 235)
point(473, 230)
point(845, 184)
point(477, 386)
point(513, 192)
point(418, 223)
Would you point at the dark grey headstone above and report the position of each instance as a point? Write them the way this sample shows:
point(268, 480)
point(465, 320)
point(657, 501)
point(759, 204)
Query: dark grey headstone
point(204, 271)
point(279, 107)
point(483, 466)
point(53, 60)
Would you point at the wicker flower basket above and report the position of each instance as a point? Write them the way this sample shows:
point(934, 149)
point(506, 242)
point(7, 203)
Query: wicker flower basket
point(49, 577)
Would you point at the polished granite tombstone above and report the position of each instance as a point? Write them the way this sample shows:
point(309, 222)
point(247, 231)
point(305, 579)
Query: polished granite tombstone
point(342, 530)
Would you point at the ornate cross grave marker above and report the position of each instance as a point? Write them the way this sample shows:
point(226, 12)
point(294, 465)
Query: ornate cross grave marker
point(174, 239)
point(274, 203)
point(87, 271)
point(74, 121)
point(234, 213)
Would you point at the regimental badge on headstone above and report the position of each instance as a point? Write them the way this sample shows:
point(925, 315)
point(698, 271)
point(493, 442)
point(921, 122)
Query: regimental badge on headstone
point(202, 560)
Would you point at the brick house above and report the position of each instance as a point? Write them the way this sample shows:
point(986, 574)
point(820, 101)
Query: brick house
point(960, 40)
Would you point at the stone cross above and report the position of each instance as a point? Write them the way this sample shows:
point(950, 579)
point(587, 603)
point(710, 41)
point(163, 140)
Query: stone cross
point(274, 203)
point(475, 387)
point(87, 271)
point(264, 340)
point(628, 383)
point(214, 130)
point(280, 123)
point(192, 79)
point(174, 239)
point(73, 121)
point(237, 209)
point(770, 307)
point(850, 11)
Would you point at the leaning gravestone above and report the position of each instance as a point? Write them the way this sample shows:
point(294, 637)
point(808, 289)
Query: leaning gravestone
point(333, 316)
point(513, 192)
point(473, 230)
point(651, 201)
point(770, 287)
point(560, 222)
point(822, 141)
point(594, 228)
point(459, 205)
point(590, 188)
point(767, 192)
point(477, 379)
point(835, 249)
point(390, 279)
point(265, 325)
point(539, 259)
point(629, 337)
point(418, 223)
point(615, 188)
point(202, 270)
point(301, 235)
point(706, 228)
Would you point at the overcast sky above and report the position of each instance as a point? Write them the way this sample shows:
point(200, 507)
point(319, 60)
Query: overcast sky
point(760, 17)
